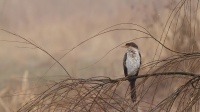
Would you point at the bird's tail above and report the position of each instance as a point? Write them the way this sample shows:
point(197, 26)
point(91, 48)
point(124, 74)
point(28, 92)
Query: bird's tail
point(133, 90)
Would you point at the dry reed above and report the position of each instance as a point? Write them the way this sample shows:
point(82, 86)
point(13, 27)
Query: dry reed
point(177, 73)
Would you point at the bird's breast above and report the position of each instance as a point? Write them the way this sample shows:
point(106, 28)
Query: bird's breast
point(132, 64)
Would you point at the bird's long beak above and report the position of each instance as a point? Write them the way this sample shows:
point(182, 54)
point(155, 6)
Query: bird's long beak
point(125, 46)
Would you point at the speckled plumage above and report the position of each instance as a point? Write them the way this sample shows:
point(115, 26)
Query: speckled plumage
point(132, 62)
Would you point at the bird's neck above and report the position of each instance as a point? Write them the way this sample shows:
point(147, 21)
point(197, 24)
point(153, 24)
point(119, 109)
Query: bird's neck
point(133, 52)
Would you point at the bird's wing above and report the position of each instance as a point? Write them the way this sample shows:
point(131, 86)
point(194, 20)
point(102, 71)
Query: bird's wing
point(140, 59)
point(124, 65)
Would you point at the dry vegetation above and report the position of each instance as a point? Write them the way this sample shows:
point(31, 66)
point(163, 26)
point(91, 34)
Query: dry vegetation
point(168, 80)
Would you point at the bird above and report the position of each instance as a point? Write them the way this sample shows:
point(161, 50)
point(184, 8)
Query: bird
point(131, 65)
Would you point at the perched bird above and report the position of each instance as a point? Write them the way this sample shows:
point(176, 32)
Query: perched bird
point(131, 63)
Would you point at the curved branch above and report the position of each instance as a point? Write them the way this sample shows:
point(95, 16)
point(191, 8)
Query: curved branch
point(145, 75)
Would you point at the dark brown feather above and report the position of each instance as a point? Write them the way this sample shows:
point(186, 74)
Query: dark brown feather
point(124, 65)
point(132, 44)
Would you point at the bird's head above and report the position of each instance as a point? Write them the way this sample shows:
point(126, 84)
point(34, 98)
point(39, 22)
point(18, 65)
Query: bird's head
point(132, 48)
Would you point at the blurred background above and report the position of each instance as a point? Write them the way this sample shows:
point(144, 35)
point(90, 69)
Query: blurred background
point(59, 25)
